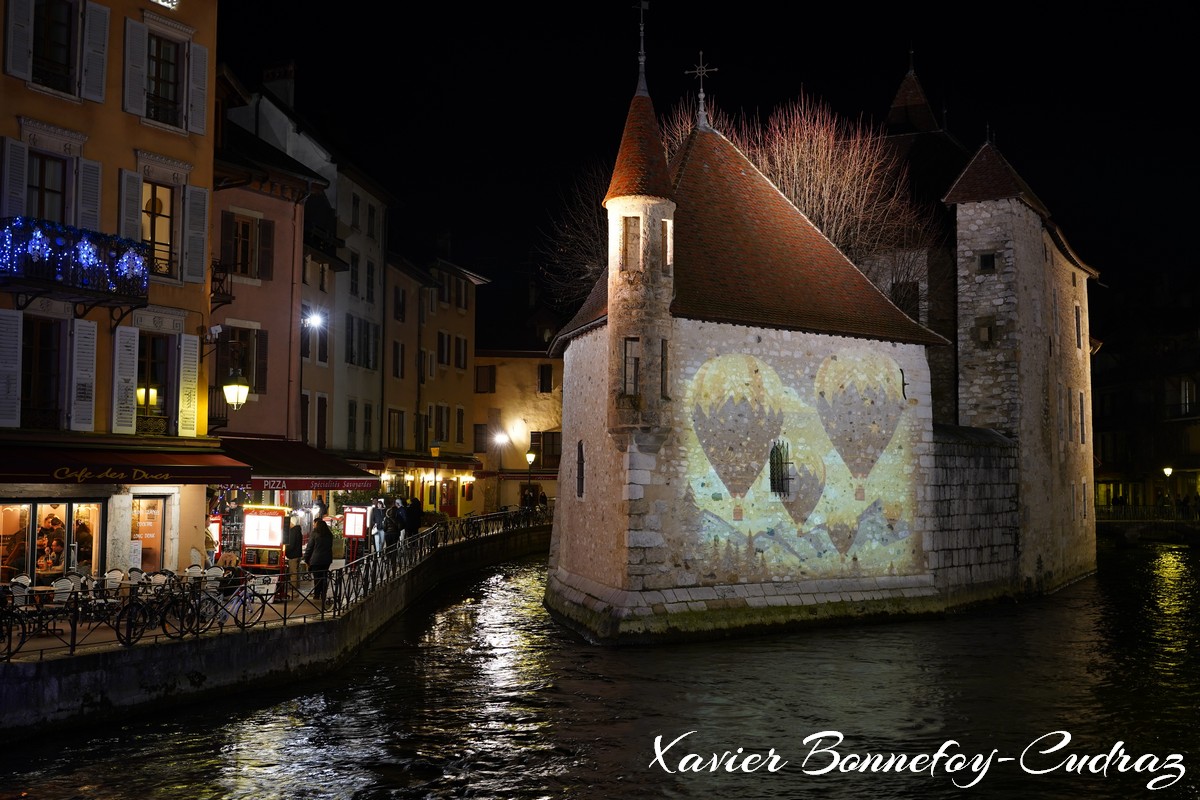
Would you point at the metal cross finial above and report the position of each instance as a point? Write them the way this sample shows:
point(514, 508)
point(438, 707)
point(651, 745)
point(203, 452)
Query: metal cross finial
point(700, 71)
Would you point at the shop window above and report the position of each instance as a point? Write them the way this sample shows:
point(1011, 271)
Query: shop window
point(146, 533)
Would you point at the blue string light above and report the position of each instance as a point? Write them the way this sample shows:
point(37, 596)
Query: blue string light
point(38, 248)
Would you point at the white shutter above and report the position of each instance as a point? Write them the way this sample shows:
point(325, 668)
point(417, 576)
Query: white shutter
point(87, 209)
point(125, 362)
point(10, 368)
point(131, 205)
point(18, 40)
point(16, 171)
point(83, 375)
point(189, 383)
point(136, 54)
point(95, 52)
point(195, 233)
point(198, 89)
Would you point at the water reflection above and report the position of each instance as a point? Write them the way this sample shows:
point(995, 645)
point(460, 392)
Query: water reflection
point(480, 695)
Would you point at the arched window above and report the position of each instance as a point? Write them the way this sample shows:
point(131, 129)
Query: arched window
point(579, 468)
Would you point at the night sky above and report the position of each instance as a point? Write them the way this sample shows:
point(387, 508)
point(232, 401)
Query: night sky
point(491, 112)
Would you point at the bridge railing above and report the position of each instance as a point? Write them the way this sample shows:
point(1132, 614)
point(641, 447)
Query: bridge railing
point(1161, 513)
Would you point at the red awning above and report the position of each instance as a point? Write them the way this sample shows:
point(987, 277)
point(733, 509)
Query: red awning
point(49, 464)
point(294, 466)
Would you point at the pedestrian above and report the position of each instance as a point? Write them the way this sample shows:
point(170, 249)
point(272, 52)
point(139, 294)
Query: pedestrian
point(293, 550)
point(318, 555)
point(377, 520)
point(393, 528)
point(412, 520)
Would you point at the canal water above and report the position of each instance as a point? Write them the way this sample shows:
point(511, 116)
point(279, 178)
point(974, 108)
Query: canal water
point(1092, 692)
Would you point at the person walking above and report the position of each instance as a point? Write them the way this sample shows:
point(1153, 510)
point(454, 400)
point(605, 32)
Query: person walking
point(377, 521)
point(210, 546)
point(393, 528)
point(293, 551)
point(318, 555)
point(412, 520)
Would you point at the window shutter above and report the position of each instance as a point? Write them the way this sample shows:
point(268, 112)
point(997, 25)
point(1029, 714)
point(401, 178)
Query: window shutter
point(18, 43)
point(195, 233)
point(88, 207)
point(135, 67)
point(227, 256)
point(198, 89)
point(16, 178)
point(95, 52)
point(131, 205)
point(260, 362)
point(83, 375)
point(266, 249)
point(189, 380)
point(10, 368)
point(535, 441)
point(124, 397)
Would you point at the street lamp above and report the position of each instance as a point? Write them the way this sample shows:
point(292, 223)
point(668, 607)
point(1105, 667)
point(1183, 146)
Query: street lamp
point(529, 457)
point(236, 389)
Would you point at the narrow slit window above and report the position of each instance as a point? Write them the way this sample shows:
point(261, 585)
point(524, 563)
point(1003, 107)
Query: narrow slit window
point(662, 371)
point(632, 365)
point(668, 245)
point(631, 242)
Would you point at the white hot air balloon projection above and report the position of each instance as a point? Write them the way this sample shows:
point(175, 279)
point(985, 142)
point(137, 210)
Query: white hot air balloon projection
point(860, 398)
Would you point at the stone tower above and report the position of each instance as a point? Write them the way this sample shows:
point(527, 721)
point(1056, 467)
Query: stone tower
point(1024, 359)
point(640, 283)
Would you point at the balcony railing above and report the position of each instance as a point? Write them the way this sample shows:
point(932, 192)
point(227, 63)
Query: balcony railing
point(222, 288)
point(41, 257)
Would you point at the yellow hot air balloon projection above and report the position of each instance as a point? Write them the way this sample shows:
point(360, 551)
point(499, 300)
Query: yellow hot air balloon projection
point(737, 413)
point(860, 398)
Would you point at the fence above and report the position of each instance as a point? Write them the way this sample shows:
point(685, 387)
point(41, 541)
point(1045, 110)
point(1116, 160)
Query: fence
point(170, 606)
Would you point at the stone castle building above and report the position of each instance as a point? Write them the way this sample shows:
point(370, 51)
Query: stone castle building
point(751, 437)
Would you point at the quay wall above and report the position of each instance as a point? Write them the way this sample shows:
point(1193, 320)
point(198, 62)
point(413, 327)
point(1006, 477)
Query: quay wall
point(103, 682)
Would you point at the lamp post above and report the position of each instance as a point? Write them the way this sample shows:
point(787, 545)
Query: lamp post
point(1167, 472)
point(236, 389)
point(529, 457)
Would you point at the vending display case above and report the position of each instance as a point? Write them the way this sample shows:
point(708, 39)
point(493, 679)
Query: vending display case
point(262, 538)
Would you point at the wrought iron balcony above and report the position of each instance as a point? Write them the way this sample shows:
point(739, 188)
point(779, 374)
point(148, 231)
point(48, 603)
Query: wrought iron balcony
point(222, 291)
point(42, 258)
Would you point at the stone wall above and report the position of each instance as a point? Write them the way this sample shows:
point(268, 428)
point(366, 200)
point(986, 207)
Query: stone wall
point(972, 489)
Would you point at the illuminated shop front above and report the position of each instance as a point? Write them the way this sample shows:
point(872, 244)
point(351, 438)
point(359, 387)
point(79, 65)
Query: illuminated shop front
point(94, 509)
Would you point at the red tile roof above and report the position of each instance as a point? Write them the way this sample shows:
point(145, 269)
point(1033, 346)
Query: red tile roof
point(641, 167)
point(745, 255)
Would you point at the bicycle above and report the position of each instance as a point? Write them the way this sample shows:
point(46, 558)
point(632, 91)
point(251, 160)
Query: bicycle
point(150, 603)
point(13, 627)
point(245, 604)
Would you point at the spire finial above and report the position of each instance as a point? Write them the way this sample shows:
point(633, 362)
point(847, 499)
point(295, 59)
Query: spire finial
point(700, 71)
point(641, 7)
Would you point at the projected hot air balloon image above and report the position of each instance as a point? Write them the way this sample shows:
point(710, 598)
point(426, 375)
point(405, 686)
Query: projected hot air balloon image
point(860, 398)
point(736, 414)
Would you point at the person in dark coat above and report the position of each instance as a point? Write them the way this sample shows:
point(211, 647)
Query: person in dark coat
point(412, 520)
point(318, 556)
point(293, 551)
point(393, 527)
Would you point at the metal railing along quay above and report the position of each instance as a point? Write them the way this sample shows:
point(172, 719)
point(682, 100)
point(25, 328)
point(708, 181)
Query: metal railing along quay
point(164, 606)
